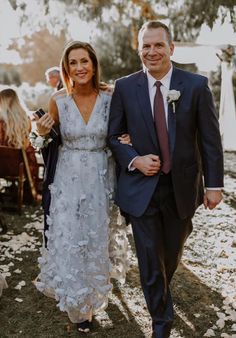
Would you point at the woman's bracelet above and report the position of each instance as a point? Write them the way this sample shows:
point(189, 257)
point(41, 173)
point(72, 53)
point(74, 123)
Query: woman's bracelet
point(39, 141)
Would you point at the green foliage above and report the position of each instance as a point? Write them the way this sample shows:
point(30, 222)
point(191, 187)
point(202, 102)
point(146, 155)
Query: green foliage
point(9, 77)
point(186, 21)
point(5, 79)
point(215, 83)
point(186, 17)
point(119, 20)
point(189, 67)
point(234, 84)
point(117, 57)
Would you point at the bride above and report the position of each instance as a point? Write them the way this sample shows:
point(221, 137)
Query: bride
point(75, 267)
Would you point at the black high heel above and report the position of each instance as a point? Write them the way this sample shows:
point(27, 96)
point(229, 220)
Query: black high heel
point(84, 326)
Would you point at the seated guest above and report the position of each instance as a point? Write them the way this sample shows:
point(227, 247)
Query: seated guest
point(53, 78)
point(15, 126)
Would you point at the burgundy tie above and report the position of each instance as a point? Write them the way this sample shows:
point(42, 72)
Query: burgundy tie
point(161, 128)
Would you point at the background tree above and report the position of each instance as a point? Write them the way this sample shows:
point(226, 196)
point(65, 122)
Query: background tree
point(186, 16)
point(116, 55)
point(118, 22)
point(10, 75)
point(42, 50)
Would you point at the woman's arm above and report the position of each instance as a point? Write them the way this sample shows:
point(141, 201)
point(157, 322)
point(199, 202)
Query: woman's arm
point(45, 123)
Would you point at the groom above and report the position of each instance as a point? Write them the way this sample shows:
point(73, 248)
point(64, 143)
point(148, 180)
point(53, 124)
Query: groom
point(171, 119)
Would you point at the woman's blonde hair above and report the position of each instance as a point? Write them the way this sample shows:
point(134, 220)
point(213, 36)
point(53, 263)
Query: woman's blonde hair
point(64, 66)
point(16, 121)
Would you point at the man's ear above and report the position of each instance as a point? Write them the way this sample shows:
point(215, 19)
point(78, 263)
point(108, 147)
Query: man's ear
point(172, 47)
point(139, 51)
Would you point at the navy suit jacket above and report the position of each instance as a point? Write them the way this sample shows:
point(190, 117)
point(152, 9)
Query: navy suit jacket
point(194, 137)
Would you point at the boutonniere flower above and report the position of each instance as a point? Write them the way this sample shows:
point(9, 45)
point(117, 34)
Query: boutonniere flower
point(173, 96)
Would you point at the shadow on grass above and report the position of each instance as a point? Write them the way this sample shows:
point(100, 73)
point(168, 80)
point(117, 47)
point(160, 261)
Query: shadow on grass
point(38, 316)
point(192, 302)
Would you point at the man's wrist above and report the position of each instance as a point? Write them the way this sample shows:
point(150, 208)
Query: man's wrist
point(42, 134)
point(216, 189)
point(131, 167)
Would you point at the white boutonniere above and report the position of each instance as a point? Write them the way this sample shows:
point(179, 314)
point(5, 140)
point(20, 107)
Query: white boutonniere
point(173, 96)
point(38, 141)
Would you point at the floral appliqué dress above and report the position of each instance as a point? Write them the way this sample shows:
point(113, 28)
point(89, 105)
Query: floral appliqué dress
point(85, 248)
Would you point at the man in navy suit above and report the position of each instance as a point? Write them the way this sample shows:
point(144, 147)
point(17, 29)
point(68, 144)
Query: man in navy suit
point(171, 119)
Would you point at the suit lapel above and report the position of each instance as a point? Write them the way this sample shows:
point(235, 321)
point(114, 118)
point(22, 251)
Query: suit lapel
point(144, 102)
point(175, 84)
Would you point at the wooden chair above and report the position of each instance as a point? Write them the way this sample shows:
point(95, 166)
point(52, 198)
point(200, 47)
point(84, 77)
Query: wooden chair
point(41, 169)
point(14, 167)
point(3, 224)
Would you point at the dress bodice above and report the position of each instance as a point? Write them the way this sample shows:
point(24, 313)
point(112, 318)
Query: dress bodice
point(76, 134)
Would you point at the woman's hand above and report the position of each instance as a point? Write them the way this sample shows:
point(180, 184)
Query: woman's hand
point(44, 124)
point(125, 139)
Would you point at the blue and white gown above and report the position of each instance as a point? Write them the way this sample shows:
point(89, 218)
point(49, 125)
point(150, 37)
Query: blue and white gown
point(76, 267)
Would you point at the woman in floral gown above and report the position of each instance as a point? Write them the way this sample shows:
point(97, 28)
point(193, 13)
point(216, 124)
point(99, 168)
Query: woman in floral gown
point(75, 266)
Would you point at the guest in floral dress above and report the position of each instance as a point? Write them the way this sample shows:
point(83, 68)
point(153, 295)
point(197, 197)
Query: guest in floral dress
point(76, 265)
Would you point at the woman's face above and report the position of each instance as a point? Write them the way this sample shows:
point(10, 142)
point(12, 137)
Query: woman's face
point(81, 69)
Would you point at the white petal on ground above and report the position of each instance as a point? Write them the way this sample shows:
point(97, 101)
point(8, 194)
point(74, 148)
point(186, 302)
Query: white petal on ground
point(209, 333)
point(220, 323)
point(19, 300)
point(19, 285)
point(233, 327)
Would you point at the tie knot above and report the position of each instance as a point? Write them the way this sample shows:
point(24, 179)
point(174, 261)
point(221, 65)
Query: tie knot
point(158, 84)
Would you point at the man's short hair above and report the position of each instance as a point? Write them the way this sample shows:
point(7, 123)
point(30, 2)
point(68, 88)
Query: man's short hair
point(155, 24)
point(52, 70)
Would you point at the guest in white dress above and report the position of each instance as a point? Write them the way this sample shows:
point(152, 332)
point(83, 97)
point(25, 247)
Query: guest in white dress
point(75, 268)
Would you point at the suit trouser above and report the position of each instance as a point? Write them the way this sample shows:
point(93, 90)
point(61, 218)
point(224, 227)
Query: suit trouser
point(159, 236)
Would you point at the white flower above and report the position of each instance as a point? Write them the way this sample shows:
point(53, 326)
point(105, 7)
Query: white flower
point(172, 96)
point(38, 141)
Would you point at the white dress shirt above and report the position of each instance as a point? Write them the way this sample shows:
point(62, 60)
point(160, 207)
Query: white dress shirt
point(152, 92)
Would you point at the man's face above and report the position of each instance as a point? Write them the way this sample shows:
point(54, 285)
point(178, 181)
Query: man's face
point(53, 79)
point(155, 51)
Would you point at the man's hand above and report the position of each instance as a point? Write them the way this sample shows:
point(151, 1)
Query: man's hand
point(149, 164)
point(212, 198)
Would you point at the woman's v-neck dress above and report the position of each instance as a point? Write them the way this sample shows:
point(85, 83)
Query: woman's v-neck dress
point(75, 267)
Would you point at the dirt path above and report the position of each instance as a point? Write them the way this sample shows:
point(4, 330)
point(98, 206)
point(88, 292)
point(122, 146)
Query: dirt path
point(204, 287)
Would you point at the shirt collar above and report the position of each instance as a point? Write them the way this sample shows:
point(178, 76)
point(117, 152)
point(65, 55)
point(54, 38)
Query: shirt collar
point(165, 80)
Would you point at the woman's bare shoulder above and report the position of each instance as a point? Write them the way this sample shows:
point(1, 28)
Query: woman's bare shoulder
point(59, 94)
